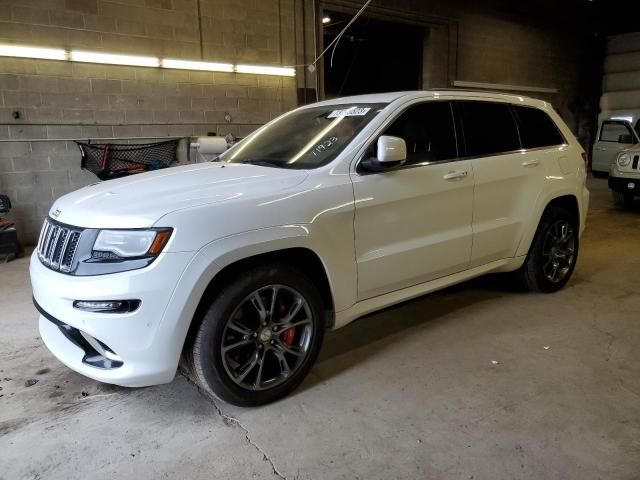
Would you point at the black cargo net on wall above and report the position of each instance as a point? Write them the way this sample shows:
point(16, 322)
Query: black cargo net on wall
point(114, 160)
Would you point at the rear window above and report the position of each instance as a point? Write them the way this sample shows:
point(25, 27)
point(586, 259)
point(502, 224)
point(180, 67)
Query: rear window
point(536, 128)
point(489, 128)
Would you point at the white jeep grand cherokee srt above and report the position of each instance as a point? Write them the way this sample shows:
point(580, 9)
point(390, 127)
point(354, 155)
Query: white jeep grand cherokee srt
point(327, 213)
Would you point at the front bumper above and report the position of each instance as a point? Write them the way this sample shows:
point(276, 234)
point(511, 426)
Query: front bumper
point(626, 185)
point(147, 341)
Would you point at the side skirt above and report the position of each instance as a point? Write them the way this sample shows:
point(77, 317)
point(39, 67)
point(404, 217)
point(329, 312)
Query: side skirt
point(369, 305)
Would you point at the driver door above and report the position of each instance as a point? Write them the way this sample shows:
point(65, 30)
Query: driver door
point(614, 136)
point(413, 223)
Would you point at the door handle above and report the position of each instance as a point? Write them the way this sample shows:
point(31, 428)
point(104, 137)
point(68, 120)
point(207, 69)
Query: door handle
point(456, 175)
point(531, 163)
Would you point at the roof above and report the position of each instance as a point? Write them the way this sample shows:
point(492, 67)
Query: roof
point(436, 93)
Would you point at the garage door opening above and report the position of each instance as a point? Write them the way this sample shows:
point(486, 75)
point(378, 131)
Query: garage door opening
point(373, 56)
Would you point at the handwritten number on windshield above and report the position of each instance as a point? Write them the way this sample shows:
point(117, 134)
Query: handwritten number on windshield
point(324, 146)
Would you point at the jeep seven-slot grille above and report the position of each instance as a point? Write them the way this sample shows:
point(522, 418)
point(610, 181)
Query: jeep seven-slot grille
point(57, 246)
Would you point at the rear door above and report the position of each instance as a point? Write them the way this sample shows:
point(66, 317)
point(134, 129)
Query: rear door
point(508, 178)
point(614, 136)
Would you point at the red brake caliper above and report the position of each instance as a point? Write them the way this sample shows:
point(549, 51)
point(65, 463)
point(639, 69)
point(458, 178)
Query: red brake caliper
point(288, 335)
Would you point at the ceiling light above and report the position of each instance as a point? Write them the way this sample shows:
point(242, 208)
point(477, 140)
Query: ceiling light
point(192, 65)
point(326, 19)
point(32, 52)
point(109, 58)
point(262, 70)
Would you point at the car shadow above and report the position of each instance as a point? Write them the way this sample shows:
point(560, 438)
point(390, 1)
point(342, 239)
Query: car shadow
point(367, 336)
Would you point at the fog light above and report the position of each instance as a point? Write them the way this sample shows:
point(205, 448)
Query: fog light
point(631, 185)
point(107, 306)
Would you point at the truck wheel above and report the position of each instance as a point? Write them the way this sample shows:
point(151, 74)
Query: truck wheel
point(260, 336)
point(553, 253)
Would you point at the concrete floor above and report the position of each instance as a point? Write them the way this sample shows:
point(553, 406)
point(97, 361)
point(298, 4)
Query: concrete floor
point(476, 382)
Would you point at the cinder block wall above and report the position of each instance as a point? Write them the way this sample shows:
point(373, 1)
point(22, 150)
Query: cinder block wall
point(61, 101)
point(492, 41)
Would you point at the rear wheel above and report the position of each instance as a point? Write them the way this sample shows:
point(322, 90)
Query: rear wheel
point(260, 336)
point(553, 254)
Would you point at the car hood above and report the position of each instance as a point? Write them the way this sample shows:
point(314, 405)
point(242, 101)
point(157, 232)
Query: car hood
point(634, 150)
point(140, 200)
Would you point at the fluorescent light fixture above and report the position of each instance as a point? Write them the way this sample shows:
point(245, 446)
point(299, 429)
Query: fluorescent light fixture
point(138, 61)
point(191, 65)
point(112, 59)
point(262, 70)
point(32, 52)
point(326, 19)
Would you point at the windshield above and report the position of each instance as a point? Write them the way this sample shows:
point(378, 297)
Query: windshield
point(304, 138)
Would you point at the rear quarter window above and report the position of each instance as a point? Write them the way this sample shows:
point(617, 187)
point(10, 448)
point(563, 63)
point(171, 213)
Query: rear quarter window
point(536, 128)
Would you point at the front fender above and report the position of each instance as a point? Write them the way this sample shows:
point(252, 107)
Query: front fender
point(337, 260)
point(215, 256)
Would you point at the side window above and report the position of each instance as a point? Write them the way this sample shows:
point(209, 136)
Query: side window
point(536, 128)
point(616, 132)
point(428, 130)
point(489, 128)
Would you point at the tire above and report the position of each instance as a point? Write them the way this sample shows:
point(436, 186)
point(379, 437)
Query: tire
point(248, 324)
point(597, 174)
point(550, 263)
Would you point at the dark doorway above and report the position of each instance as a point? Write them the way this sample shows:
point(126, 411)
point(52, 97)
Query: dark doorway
point(373, 56)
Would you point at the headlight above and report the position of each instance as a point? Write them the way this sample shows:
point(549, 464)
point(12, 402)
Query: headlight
point(114, 244)
point(624, 159)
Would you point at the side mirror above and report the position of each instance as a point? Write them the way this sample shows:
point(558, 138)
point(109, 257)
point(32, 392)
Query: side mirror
point(392, 151)
point(627, 139)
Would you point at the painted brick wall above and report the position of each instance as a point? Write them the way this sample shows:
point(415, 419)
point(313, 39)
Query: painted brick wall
point(61, 101)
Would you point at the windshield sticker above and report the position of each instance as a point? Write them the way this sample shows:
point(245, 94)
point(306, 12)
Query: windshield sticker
point(349, 112)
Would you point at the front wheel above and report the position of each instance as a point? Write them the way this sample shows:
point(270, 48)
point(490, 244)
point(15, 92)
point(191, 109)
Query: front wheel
point(260, 336)
point(553, 254)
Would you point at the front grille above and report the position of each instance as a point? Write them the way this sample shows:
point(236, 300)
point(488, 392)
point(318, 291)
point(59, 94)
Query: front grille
point(57, 246)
